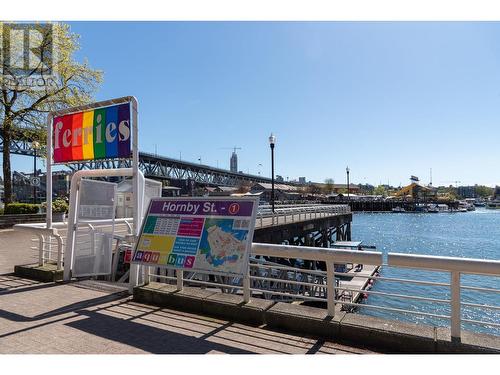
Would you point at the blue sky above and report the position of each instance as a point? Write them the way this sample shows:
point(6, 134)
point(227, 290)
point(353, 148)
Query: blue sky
point(388, 99)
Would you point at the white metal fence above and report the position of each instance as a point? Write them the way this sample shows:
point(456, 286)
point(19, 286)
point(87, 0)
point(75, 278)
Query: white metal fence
point(268, 279)
point(49, 243)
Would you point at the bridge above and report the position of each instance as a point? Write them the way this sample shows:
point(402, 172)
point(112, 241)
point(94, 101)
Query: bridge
point(153, 166)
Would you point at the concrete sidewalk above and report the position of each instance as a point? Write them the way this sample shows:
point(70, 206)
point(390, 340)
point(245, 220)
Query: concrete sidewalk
point(77, 318)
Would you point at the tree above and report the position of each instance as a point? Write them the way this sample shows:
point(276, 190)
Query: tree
point(313, 189)
point(328, 187)
point(23, 110)
point(243, 187)
point(484, 191)
point(380, 190)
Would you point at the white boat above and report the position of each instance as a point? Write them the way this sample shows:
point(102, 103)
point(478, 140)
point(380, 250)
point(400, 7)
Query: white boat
point(398, 209)
point(471, 204)
point(442, 207)
point(463, 206)
point(433, 209)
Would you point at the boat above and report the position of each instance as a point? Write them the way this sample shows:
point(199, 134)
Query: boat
point(433, 209)
point(398, 209)
point(493, 205)
point(442, 207)
point(421, 207)
point(464, 206)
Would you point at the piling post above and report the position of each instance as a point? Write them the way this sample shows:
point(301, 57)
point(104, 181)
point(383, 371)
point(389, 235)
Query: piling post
point(455, 307)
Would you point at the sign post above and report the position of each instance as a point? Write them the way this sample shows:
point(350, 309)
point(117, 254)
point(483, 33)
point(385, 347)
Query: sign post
point(213, 235)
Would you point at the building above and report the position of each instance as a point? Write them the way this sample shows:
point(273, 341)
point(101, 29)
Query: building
point(219, 191)
point(233, 162)
point(282, 192)
point(467, 191)
point(302, 180)
point(22, 187)
point(279, 178)
point(416, 191)
point(124, 196)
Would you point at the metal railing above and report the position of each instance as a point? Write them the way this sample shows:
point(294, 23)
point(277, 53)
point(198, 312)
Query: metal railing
point(49, 243)
point(269, 279)
point(283, 215)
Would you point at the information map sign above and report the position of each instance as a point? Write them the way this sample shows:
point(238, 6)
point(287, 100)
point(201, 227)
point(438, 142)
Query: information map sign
point(209, 234)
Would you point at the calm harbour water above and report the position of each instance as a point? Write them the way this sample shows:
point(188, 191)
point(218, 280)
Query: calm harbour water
point(474, 234)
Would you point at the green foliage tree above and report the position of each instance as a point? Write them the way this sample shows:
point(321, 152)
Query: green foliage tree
point(484, 191)
point(23, 111)
point(380, 190)
point(328, 187)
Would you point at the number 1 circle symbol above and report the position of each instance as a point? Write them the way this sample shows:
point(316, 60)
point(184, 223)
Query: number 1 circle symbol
point(234, 208)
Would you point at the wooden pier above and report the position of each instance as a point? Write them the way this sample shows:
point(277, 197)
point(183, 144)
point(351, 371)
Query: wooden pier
point(307, 230)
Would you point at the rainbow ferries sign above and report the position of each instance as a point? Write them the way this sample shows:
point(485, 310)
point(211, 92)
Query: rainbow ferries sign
point(98, 133)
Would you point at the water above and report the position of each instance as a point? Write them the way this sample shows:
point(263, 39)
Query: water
point(474, 234)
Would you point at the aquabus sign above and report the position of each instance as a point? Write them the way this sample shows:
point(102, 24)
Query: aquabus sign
point(100, 133)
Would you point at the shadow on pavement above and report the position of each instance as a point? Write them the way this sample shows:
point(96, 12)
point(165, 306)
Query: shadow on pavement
point(147, 338)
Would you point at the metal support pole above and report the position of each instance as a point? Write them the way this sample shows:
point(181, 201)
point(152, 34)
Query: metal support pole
point(34, 175)
point(455, 307)
point(330, 296)
point(272, 176)
point(134, 268)
point(180, 279)
point(247, 293)
point(40, 249)
point(48, 176)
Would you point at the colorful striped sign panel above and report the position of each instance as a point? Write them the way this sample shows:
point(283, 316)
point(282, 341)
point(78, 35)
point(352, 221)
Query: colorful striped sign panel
point(102, 133)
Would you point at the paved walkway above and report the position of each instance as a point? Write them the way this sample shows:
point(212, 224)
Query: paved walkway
point(76, 318)
point(87, 317)
point(15, 250)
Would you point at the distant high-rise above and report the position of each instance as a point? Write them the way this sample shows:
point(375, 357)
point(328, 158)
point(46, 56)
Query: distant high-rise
point(234, 162)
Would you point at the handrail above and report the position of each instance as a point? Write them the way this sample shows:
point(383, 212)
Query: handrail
point(447, 264)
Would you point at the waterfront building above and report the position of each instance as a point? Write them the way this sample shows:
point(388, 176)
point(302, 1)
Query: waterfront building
point(282, 192)
point(467, 191)
point(416, 191)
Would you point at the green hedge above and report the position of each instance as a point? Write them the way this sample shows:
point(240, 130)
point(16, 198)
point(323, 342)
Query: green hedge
point(21, 208)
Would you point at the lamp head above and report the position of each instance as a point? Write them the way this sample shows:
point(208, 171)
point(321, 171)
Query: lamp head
point(272, 139)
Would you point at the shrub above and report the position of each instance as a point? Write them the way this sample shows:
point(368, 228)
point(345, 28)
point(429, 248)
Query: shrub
point(21, 208)
point(60, 205)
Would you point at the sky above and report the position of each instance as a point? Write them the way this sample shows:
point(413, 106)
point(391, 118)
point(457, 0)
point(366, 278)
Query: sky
point(387, 99)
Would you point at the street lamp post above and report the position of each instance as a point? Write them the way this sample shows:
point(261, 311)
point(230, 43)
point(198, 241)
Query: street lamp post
point(35, 146)
point(272, 141)
point(347, 171)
